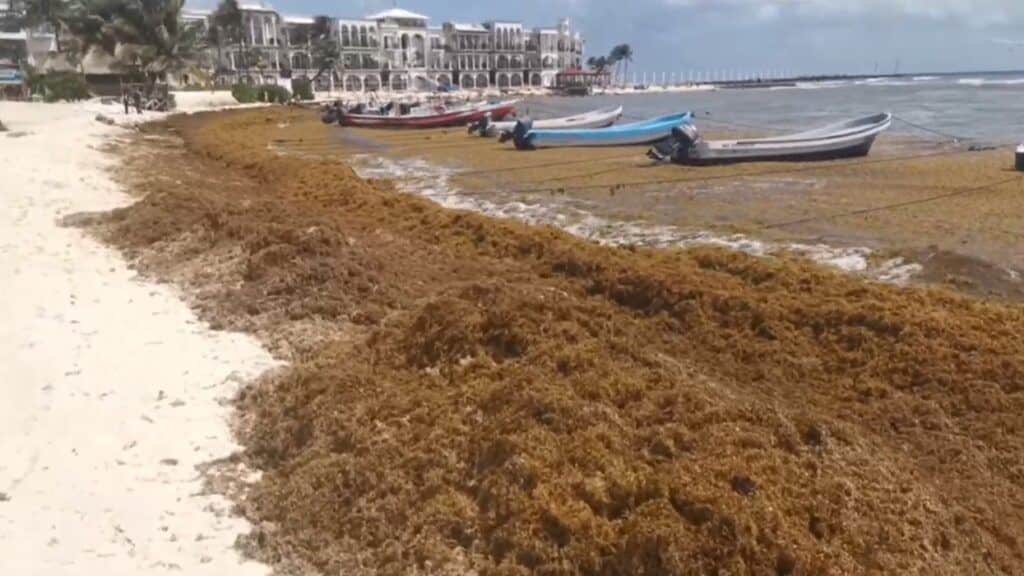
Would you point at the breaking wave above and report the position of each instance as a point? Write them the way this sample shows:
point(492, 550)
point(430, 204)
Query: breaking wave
point(434, 182)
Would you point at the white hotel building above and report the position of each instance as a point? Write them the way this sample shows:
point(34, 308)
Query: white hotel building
point(399, 50)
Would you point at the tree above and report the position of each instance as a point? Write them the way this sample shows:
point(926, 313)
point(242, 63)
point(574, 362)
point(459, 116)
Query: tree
point(598, 64)
point(622, 53)
point(324, 49)
point(144, 36)
point(225, 28)
point(227, 19)
point(39, 12)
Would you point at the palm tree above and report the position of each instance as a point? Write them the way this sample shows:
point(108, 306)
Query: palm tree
point(226, 27)
point(622, 53)
point(145, 36)
point(324, 49)
point(228, 19)
point(598, 64)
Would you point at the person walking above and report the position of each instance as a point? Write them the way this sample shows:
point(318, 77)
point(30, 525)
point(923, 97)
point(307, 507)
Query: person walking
point(137, 98)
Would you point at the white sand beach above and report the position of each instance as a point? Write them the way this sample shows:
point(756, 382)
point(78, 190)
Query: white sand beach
point(113, 392)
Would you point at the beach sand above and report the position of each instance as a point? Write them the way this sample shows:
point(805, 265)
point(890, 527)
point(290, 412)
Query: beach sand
point(114, 393)
point(472, 394)
point(969, 241)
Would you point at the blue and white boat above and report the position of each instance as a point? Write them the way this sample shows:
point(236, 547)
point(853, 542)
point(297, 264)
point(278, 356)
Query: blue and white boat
point(637, 133)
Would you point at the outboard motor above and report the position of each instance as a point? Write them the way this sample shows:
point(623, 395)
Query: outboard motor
point(686, 135)
point(505, 136)
point(677, 146)
point(1020, 158)
point(481, 125)
point(329, 115)
point(520, 134)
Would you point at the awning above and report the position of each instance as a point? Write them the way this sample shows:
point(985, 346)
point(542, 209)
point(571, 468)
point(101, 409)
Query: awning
point(10, 77)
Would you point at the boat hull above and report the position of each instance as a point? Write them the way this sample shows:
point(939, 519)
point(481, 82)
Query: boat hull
point(852, 139)
point(589, 120)
point(442, 120)
point(639, 133)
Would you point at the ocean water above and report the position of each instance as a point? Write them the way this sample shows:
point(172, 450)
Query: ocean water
point(988, 108)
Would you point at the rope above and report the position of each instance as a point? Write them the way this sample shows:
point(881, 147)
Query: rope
point(861, 211)
point(953, 138)
point(716, 177)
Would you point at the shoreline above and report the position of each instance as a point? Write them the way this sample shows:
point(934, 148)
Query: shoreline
point(115, 391)
point(484, 395)
point(582, 191)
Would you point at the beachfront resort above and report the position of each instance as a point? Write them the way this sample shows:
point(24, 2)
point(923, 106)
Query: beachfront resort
point(400, 50)
point(393, 50)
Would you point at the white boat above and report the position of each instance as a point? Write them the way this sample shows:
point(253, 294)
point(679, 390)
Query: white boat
point(849, 139)
point(593, 119)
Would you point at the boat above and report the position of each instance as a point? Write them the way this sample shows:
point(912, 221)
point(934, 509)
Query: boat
point(428, 118)
point(849, 139)
point(593, 119)
point(645, 132)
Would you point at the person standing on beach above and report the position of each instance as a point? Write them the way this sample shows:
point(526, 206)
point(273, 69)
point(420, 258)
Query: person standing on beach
point(137, 98)
point(124, 100)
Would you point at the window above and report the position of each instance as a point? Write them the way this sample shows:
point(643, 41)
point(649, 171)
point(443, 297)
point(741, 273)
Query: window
point(345, 39)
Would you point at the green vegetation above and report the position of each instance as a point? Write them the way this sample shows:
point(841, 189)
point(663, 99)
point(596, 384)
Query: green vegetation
point(244, 93)
point(599, 64)
point(621, 54)
point(60, 86)
point(270, 93)
point(302, 88)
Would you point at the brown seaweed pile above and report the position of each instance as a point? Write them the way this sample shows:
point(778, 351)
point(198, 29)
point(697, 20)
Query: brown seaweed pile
point(485, 397)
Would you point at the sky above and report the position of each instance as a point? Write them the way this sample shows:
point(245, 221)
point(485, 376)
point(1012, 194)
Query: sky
point(753, 36)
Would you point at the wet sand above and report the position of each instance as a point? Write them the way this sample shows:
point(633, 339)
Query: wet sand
point(970, 240)
point(469, 394)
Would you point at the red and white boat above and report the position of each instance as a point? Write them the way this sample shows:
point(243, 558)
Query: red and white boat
point(436, 118)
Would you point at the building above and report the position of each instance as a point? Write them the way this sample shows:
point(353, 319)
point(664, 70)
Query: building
point(398, 50)
point(468, 53)
point(16, 44)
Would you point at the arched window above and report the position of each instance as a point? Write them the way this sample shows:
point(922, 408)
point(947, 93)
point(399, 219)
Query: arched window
point(345, 39)
point(363, 36)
